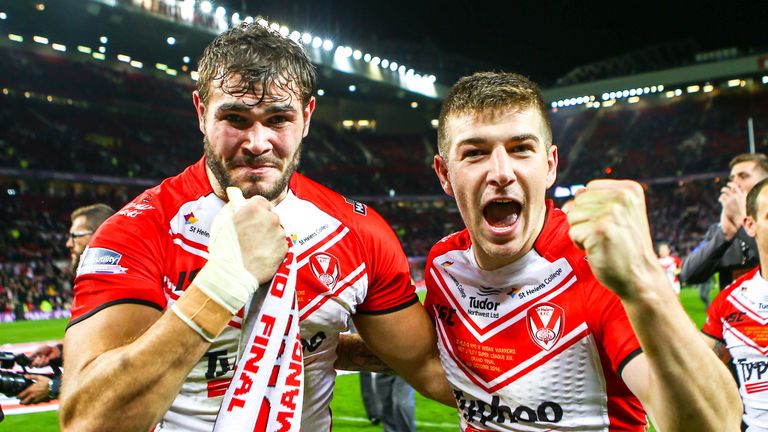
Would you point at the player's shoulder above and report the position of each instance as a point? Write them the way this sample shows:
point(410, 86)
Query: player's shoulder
point(740, 282)
point(459, 240)
point(157, 204)
point(357, 216)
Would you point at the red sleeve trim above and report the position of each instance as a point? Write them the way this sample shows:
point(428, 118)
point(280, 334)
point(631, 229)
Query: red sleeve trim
point(402, 306)
point(627, 359)
point(113, 303)
point(713, 336)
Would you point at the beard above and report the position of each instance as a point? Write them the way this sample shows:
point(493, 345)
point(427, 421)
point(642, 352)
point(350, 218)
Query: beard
point(249, 186)
point(73, 264)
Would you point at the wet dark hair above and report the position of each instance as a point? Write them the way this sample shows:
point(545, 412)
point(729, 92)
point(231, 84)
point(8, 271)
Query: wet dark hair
point(252, 59)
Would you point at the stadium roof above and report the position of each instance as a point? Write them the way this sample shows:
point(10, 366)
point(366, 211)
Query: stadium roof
point(543, 39)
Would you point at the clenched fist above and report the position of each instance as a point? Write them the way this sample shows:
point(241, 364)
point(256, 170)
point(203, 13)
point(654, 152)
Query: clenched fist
point(608, 220)
point(246, 248)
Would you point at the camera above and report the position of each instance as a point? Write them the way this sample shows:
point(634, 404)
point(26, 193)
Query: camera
point(13, 383)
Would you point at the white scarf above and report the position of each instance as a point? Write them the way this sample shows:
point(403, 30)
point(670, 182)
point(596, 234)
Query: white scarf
point(267, 391)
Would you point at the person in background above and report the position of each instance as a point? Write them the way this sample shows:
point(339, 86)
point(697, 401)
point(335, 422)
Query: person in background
point(727, 249)
point(85, 221)
point(671, 265)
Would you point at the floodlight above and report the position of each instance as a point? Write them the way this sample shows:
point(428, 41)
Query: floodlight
point(327, 44)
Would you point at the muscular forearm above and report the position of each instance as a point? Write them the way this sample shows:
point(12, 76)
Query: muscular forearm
point(689, 388)
point(352, 354)
point(137, 381)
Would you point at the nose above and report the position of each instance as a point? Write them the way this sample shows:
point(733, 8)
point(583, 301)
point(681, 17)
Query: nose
point(501, 172)
point(70, 242)
point(258, 139)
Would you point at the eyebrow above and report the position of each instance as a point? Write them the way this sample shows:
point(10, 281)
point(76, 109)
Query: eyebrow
point(241, 107)
point(482, 140)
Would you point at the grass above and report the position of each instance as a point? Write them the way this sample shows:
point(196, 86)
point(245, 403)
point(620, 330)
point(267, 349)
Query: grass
point(347, 406)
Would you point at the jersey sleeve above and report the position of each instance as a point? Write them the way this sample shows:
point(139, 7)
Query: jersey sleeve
point(713, 326)
point(429, 299)
point(389, 287)
point(122, 264)
point(611, 326)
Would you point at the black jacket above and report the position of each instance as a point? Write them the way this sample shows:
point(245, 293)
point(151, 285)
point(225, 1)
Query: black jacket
point(716, 254)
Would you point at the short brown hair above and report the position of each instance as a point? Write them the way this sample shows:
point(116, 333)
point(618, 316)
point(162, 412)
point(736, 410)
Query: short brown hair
point(760, 160)
point(250, 57)
point(95, 215)
point(752, 197)
point(490, 91)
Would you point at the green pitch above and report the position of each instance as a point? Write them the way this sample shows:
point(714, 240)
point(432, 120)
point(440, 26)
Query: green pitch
point(347, 406)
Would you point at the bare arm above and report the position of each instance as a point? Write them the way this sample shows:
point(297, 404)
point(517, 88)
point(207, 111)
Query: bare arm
point(678, 378)
point(406, 341)
point(352, 354)
point(132, 360)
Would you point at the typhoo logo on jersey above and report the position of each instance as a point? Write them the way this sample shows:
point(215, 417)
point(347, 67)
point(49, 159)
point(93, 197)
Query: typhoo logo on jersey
point(325, 267)
point(496, 413)
point(753, 374)
point(100, 261)
point(545, 324)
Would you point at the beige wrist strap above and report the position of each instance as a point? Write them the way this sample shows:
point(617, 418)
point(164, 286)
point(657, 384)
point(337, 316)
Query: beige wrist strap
point(201, 313)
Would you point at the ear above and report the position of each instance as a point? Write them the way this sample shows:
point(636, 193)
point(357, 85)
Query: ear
point(200, 109)
point(552, 166)
point(308, 110)
point(441, 169)
point(750, 226)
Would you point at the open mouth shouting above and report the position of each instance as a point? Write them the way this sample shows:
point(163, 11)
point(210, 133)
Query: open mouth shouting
point(502, 214)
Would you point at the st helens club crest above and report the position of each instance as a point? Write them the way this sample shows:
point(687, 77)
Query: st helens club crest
point(545, 324)
point(325, 267)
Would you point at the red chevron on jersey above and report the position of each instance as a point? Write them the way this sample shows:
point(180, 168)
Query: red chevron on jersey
point(747, 340)
point(486, 317)
point(750, 308)
point(323, 296)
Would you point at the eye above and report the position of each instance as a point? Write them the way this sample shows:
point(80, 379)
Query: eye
point(234, 118)
point(278, 119)
point(521, 148)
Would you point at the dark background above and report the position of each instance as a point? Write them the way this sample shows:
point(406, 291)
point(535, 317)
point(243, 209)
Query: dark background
point(544, 39)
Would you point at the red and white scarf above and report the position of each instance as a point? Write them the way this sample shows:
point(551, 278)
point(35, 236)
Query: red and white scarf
point(267, 391)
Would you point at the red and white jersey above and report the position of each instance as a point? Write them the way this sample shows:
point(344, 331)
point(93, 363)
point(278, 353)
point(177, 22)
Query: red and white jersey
point(739, 318)
point(671, 264)
point(536, 345)
point(349, 262)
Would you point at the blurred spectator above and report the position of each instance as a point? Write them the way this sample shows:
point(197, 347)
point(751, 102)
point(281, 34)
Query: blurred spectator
point(671, 265)
point(85, 221)
point(727, 249)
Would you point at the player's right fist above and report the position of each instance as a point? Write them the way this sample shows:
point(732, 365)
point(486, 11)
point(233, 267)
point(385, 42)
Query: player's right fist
point(246, 247)
point(262, 239)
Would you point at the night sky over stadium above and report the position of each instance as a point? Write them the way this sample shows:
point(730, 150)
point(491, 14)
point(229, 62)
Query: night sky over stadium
point(544, 39)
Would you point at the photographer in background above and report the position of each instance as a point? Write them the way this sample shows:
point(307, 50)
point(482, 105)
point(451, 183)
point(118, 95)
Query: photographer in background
point(85, 221)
